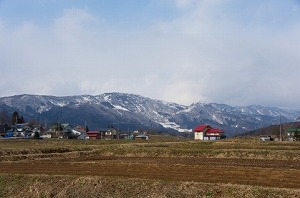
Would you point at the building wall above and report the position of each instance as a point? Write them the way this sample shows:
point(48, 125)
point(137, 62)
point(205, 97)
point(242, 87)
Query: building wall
point(92, 137)
point(198, 135)
point(202, 136)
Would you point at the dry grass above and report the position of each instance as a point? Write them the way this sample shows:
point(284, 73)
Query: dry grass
point(69, 186)
point(159, 147)
point(160, 167)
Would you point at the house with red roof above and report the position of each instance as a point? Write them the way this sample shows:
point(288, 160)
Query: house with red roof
point(94, 135)
point(206, 132)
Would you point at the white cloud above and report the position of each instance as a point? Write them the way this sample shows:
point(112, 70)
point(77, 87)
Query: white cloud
point(207, 53)
point(234, 62)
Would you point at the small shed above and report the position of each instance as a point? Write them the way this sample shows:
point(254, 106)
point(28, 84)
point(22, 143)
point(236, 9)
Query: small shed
point(141, 137)
point(265, 138)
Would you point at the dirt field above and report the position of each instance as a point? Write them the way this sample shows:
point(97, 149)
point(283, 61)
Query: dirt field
point(255, 164)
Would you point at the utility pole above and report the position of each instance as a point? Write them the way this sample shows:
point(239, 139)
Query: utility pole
point(280, 136)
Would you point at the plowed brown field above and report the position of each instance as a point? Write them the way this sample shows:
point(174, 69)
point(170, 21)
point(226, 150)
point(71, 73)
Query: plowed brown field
point(93, 161)
point(272, 173)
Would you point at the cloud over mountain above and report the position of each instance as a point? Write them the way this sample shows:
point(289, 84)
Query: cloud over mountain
point(232, 52)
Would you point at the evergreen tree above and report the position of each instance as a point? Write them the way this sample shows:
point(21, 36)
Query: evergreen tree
point(36, 135)
point(15, 118)
point(21, 120)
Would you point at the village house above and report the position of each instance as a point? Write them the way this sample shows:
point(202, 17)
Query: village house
point(293, 134)
point(94, 135)
point(206, 132)
point(109, 133)
point(104, 133)
point(3, 129)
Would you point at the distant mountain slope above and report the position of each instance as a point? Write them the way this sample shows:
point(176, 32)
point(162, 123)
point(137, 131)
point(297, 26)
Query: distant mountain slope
point(130, 112)
point(273, 130)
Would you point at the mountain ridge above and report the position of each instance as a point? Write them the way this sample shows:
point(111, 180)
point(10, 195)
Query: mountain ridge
point(132, 111)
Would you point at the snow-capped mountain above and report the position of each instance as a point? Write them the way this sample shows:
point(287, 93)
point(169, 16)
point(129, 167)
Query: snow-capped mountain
point(130, 112)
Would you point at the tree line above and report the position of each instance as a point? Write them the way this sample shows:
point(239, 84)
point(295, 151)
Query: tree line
point(7, 121)
point(15, 118)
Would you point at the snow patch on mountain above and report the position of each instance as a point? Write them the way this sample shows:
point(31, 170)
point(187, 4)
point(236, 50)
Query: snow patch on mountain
point(43, 109)
point(120, 108)
point(173, 125)
point(217, 119)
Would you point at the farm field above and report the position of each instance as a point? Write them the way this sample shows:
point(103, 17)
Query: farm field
point(160, 167)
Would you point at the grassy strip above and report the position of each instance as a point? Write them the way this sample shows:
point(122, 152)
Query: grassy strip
point(70, 186)
point(247, 149)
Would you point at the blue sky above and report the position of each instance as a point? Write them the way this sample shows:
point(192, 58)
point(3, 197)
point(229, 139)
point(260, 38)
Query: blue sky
point(224, 51)
point(115, 12)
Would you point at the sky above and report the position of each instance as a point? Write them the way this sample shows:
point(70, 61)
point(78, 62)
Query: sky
point(235, 52)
